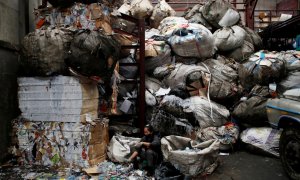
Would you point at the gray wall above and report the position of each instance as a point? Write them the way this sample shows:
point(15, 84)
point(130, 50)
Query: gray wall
point(15, 16)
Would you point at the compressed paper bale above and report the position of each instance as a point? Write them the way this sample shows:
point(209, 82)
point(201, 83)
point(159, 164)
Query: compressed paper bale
point(141, 8)
point(161, 11)
point(67, 144)
point(59, 98)
point(169, 24)
point(43, 52)
point(229, 38)
point(93, 53)
point(261, 71)
point(220, 13)
point(194, 40)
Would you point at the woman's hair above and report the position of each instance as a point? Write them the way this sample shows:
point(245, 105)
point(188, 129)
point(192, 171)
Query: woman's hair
point(149, 127)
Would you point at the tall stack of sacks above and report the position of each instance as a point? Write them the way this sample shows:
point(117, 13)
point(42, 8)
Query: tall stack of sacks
point(59, 124)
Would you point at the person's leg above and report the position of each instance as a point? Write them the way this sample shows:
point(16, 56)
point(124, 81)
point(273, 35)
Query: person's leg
point(151, 157)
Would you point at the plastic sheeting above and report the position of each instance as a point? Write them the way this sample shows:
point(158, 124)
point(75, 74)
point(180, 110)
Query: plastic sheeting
point(265, 139)
point(43, 52)
point(61, 144)
point(190, 157)
point(194, 40)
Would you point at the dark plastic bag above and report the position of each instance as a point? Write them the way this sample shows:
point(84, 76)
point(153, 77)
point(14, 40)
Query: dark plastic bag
point(166, 171)
point(93, 53)
point(43, 52)
point(252, 72)
point(253, 110)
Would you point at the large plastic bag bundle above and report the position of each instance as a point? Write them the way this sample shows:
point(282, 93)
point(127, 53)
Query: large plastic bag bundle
point(252, 110)
point(195, 16)
point(227, 135)
point(161, 11)
point(121, 147)
point(176, 76)
point(93, 54)
point(220, 13)
point(265, 139)
point(256, 39)
point(43, 52)
point(229, 38)
point(128, 72)
point(223, 83)
point(169, 24)
point(157, 53)
point(191, 12)
point(261, 68)
point(206, 112)
point(141, 8)
point(292, 81)
point(242, 53)
point(291, 59)
point(152, 83)
point(194, 40)
point(190, 157)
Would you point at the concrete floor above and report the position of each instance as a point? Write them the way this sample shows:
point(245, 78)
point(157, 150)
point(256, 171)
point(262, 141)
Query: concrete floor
point(245, 166)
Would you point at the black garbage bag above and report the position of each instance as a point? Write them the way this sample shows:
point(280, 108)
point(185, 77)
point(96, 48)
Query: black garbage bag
point(43, 52)
point(292, 81)
point(93, 53)
point(261, 72)
point(253, 110)
point(166, 171)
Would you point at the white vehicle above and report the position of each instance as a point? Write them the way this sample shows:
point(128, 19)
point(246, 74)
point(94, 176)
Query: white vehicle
point(284, 113)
